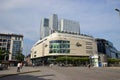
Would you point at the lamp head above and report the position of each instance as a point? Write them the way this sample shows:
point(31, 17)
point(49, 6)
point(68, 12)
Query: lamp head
point(117, 10)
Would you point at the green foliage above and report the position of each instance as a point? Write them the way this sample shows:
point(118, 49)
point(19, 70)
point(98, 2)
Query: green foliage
point(1, 54)
point(73, 60)
point(19, 56)
point(4, 53)
point(113, 61)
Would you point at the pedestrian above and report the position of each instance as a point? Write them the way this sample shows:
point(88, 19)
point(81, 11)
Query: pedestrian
point(33, 65)
point(51, 65)
point(18, 67)
point(89, 66)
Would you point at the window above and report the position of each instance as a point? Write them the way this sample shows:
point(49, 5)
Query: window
point(18, 38)
point(16, 46)
point(88, 43)
point(35, 52)
point(89, 47)
point(15, 38)
point(46, 22)
point(0, 40)
point(59, 46)
point(89, 52)
point(4, 40)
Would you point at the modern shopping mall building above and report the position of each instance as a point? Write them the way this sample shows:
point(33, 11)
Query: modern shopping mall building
point(63, 44)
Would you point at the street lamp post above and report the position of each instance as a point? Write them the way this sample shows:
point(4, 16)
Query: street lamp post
point(118, 11)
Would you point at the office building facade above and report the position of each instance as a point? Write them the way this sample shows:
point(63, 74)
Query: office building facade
point(12, 43)
point(44, 28)
point(106, 47)
point(69, 26)
point(53, 23)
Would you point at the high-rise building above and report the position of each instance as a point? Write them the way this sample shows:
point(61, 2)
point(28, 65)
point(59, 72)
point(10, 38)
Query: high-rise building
point(44, 28)
point(69, 26)
point(53, 23)
point(12, 43)
point(50, 25)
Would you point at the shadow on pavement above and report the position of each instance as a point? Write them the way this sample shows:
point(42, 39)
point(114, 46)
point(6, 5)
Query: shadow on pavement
point(46, 75)
point(27, 77)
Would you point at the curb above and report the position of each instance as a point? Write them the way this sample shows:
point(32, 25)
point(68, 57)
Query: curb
point(4, 75)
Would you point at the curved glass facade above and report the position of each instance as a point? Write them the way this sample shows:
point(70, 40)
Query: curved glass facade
point(59, 46)
point(106, 47)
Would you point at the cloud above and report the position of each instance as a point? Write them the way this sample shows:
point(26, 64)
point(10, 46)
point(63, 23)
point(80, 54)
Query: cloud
point(12, 4)
point(96, 18)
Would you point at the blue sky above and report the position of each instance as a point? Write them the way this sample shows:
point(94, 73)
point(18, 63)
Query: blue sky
point(96, 17)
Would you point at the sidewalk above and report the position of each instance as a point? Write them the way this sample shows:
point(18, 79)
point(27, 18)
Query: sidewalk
point(13, 71)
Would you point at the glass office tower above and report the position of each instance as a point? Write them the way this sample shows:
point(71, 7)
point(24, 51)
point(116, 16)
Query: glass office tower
point(53, 23)
point(69, 26)
point(44, 28)
point(50, 25)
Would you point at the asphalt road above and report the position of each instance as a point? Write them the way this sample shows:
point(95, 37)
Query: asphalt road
point(69, 73)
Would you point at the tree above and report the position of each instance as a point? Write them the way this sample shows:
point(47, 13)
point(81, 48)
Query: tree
point(1, 55)
point(4, 54)
point(76, 61)
point(113, 61)
point(19, 56)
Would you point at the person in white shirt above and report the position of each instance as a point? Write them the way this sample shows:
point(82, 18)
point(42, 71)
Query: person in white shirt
point(18, 67)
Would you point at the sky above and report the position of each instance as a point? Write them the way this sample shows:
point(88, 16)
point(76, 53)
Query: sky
point(96, 17)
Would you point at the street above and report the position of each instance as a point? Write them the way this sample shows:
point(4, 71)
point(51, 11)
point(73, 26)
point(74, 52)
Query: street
point(68, 73)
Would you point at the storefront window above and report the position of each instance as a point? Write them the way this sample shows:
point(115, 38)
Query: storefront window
point(59, 46)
